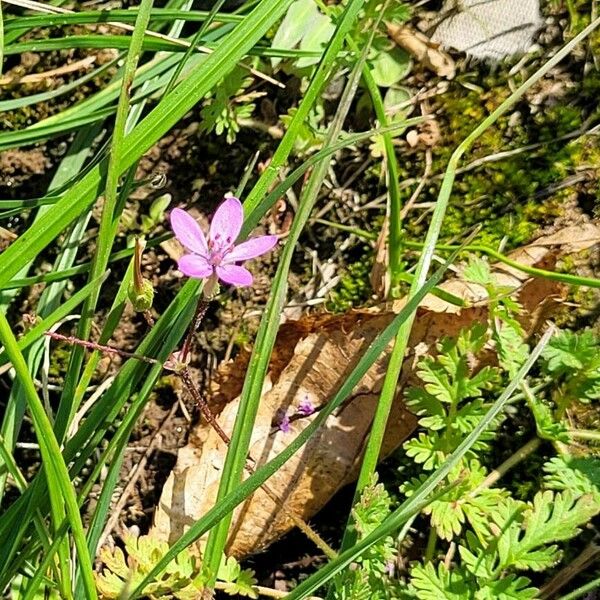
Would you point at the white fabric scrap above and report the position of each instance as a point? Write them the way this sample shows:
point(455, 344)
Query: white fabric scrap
point(489, 29)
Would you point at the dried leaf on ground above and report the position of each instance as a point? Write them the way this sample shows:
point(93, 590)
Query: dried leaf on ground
point(312, 356)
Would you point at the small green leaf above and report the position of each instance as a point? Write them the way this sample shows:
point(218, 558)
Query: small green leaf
point(390, 66)
point(478, 271)
point(295, 24)
point(315, 39)
point(158, 207)
point(579, 475)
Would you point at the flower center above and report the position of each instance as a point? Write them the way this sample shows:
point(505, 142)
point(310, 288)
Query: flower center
point(219, 248)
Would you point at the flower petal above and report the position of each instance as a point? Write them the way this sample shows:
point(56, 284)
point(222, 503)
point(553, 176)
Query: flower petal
point(188, 232)
point(227, 222)
point(234, 275)
point(251, 249)
point(194, 265)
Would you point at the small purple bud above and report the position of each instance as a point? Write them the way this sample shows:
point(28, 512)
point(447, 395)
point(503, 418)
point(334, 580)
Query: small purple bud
point(283, 423)
point(306, 407)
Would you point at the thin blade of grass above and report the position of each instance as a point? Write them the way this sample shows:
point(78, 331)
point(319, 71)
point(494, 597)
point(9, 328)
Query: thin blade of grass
point(235, 459)
point(25, 23)
point(372, 451)
point(64, 309)
point(59, 483)
point(160, 120)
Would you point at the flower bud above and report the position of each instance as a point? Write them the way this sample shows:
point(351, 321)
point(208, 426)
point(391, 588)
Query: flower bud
point(140, 292)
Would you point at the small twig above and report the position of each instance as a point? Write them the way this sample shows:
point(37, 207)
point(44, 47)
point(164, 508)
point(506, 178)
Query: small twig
point(264, 591)
point(424, 179)
point(35, 77)
point(88, 404)
point(274, 131)
point(70, 339)
point(450, 556)
point(201, 309)
point(513, 460)
point(498, 156)
point(588, 555)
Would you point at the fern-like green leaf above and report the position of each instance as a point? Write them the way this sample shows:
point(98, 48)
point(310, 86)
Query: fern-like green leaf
point(579, 475)
point(428, 584)
point(527, 539)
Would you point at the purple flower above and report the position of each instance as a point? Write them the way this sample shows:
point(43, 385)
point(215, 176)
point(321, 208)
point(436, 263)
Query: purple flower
point(217, 257)
point(306, 407)
point(283, 423)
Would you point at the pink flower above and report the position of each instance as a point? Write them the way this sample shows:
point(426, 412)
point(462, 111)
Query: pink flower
point(217, 257)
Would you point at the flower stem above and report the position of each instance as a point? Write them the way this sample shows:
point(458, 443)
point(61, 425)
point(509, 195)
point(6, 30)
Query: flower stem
point(511, 462)
point(203, 304)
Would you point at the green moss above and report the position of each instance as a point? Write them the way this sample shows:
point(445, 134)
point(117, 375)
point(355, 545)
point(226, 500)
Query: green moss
point(59, 360)
point(354, 288)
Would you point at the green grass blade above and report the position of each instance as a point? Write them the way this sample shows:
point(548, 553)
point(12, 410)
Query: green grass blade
point(235, 460)
point(159, 343)
point(373, 448)
point(64, 309)
point(109, 218)
point(25, 23)
point(158, 122)
point(59, 483)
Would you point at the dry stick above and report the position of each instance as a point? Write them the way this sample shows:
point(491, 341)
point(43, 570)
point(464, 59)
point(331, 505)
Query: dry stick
point(588, 555)
point(137, 472)
point(513, 460)
point(310, 533)
point(262, 591)
point(71, 339)
point(38, 6)
point(497, 156)
point(424, 179)
point(35, 77)
point(201, 309)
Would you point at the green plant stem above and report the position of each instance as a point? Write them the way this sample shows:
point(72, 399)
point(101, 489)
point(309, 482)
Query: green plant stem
point(431, 544)
point(583, 590)
point(388, 391)
point(59, 484)
point(194, 43)
point(584, 434)
point(108, 219)
point(395, 238)
point(510, 463)
point(567, 278)
point(562, 277)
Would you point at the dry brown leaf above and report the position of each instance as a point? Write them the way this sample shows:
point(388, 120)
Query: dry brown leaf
point(428, 53)
point(311, 358)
